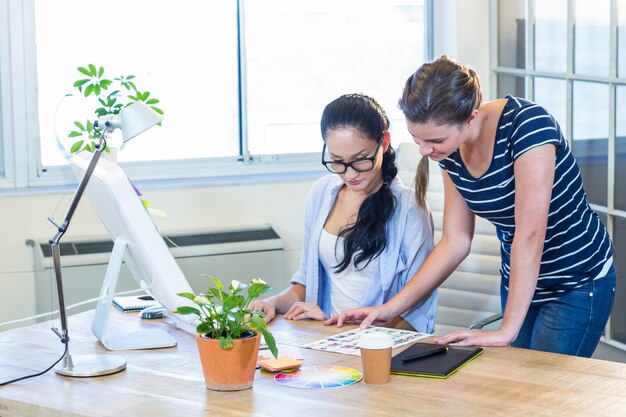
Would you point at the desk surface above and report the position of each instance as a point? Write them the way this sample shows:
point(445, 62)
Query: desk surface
point(168, 382)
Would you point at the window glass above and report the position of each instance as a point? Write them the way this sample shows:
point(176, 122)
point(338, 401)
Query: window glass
point(551, 94)
point(509, 84)
point(302, 55)
point(511, 33)
point(551, 35)
point(621, 38)
point(184, 53)
point(620, 148)
point(618, 323)
point(590, 141)
point(591, 34)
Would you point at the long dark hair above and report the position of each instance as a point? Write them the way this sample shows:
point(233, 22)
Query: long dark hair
point(367, 237)
point(445, 92)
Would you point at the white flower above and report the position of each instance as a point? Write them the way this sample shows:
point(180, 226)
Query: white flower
point(236, 285)
point(201, 300)
point(258, 281)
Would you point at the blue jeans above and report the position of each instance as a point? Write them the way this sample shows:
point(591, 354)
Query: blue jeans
point(571, 324)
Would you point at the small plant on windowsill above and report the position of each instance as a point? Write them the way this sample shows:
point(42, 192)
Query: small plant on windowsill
point(228, 332)
point(109, 97)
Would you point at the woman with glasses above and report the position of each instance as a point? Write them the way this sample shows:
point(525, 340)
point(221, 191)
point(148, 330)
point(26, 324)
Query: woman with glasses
point(506, 160)
point(365, 235)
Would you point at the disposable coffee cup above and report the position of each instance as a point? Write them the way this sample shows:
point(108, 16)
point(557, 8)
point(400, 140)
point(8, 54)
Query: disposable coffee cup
point(376, 357)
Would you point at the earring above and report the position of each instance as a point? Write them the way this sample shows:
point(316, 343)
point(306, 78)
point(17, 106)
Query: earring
point(469, 125)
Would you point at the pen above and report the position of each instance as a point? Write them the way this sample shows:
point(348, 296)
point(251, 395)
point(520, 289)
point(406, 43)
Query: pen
point(441, 349)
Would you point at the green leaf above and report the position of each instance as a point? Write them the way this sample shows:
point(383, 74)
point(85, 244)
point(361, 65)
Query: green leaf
point(226, 343)
point(100, 72)
point(84, 71)
point(96, 89)
point(89, 125)
point(158, 110)
point(233, 301)
point(214, 292)
point(217, 282)
point(256, 289)
point(130, 77)
point(270, 341)
point(74, 134)
point(187, 295)
point(186, 310)
point(76, 146)
point(81, 82)
point(79, 125)
point(133, 85)
point(88, 90)
point(92, 70)
point(152, 101)
point(203, 328)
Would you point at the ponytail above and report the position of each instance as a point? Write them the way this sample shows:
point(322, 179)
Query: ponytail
point(422, 177)
point(367, 237)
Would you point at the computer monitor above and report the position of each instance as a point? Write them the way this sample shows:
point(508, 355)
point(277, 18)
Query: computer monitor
point(140, 245)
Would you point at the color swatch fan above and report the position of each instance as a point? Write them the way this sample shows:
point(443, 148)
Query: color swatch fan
point(327, 376)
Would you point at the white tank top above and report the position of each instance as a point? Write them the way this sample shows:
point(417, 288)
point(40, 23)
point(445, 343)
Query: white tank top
point(347, 287)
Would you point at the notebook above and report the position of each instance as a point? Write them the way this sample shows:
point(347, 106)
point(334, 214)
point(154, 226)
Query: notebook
point(439, 365)
point(134, 303)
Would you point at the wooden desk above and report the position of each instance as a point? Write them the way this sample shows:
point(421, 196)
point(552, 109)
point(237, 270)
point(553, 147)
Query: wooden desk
point(168, 382)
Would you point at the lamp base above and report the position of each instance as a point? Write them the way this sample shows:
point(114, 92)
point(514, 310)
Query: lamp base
point(84, 366)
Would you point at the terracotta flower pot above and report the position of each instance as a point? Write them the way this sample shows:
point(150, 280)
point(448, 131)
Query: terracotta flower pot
point(228, 370)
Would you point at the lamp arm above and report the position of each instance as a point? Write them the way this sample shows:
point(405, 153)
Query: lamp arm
point(61, 229)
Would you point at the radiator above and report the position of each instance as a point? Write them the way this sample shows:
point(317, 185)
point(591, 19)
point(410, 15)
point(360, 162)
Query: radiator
point(239, 254)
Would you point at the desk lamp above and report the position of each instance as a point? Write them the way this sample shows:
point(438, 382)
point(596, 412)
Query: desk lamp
point(132, 121)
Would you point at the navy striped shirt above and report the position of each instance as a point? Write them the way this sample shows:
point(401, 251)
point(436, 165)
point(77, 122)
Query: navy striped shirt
point(576, 245)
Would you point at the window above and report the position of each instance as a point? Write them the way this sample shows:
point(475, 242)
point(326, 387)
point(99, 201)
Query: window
point(185, 54)
point(302, 55)
point(569, 56)
point(242, 83)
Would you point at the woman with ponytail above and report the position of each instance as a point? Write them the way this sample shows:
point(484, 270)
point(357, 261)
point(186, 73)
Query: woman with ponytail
point(507, 161)
point(365, 235)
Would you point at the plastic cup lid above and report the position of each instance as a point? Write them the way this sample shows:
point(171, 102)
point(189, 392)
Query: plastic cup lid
point(375, 341)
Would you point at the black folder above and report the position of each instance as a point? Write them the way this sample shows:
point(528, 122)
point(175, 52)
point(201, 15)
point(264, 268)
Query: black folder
point(438, 365)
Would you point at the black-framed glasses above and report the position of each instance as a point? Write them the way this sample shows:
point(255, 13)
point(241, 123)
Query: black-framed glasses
point(359, 165)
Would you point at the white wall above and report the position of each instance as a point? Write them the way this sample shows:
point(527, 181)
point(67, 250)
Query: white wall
point(199, 208)
point(461, 31)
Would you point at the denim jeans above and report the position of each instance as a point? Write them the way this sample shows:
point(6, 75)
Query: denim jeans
point(571, 324)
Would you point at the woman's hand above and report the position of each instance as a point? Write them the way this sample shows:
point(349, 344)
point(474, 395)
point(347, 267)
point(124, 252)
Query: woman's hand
point(266, 307)
point(366, 316)
point(302, 310)
point(476, 338)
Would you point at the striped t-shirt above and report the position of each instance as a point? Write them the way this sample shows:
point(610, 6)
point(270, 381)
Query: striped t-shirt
point(576, 245)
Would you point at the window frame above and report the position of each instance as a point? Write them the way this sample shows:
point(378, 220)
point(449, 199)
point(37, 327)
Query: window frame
point(570, 77)
point(19, 116)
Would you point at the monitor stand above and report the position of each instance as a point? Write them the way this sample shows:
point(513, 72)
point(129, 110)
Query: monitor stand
point(122, 340)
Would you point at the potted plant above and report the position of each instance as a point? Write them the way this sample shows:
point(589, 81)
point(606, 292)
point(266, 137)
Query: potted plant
point(228, 334)
point(107, 96)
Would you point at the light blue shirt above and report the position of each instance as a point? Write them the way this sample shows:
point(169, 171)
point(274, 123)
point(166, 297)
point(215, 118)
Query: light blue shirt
point(409, 241)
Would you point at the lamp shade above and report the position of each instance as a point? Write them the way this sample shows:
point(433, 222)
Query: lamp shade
point(137, 118)
point(132, 120)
